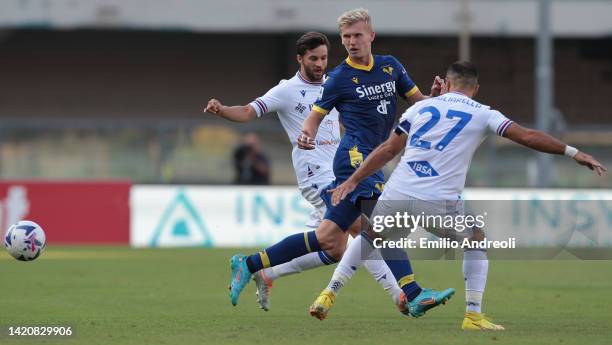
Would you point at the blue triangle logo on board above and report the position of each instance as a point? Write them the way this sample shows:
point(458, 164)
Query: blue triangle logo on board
point(181, 225)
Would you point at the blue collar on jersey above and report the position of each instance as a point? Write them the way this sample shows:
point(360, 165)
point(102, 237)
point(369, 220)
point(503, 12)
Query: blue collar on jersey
point(361, 67)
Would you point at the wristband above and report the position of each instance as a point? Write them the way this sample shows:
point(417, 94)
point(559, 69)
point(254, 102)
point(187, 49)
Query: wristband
point(570, 151)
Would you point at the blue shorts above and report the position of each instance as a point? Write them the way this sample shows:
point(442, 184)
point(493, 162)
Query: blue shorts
point(348, 210)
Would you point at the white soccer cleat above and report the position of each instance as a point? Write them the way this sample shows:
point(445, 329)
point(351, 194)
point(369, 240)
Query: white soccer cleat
point(264, 288)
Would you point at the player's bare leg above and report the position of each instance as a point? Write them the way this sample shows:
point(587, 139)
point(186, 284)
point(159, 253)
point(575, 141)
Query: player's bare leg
point(415, 301)
point(377, 268)
point(373, 263)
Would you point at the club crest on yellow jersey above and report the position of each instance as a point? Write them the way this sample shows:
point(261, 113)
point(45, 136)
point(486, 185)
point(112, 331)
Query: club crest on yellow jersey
point(355, 156)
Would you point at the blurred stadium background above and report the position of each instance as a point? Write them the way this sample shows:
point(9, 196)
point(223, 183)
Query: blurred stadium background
point(114, 90)
point(102, 100)
point(101, 124)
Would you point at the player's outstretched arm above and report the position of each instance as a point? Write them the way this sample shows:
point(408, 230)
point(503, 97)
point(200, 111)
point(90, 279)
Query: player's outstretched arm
point(239, 113)
point(543, 142)
point(310, 127)
point(374, 162)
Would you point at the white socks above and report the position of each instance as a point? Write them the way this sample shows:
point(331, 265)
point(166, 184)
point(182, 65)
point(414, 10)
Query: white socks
point(374, 264)
point(475, 269)
point(382, 273)
point(297, 265)
point(349, 264)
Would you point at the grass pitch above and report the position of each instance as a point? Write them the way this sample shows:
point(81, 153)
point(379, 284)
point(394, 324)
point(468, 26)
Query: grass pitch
point(115, 295)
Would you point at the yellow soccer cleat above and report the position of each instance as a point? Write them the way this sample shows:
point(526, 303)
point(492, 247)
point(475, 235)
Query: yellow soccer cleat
point(323, 304)
point(478, 322)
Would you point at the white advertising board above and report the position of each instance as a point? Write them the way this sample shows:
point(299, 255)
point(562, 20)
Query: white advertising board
point(240, 216)
point(168, 216)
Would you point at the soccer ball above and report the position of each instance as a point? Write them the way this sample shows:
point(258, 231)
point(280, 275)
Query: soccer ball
point(25, 240)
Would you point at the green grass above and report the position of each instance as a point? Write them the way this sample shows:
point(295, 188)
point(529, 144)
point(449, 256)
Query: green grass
point(179, 296)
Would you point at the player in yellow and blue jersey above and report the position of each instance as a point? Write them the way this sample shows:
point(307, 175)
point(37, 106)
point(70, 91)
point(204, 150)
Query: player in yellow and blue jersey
point(292, 99)
point(365, 97)
point(363, 89)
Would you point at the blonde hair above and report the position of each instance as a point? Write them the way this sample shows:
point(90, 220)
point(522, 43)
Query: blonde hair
point(354, 16)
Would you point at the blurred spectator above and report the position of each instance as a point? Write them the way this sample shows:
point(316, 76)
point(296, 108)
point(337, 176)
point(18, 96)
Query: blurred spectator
point(251, 164)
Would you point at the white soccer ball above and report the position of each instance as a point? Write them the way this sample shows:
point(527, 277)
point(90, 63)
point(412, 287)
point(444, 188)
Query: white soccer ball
point(25, 240)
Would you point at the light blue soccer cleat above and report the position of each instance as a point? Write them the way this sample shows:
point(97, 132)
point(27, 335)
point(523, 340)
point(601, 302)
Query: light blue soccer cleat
point(240, 276)
point(428, 299)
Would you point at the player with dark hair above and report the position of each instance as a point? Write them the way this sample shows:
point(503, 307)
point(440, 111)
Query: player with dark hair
point(292, 99)
point(363, 89)
point(439, 137)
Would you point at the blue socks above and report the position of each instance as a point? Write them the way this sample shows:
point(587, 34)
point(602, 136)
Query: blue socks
point(400, 266)
point(398, 262)
point(284, 251)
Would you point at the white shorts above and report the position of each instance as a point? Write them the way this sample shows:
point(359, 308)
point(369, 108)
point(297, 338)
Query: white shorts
point(414, 206)
point(312, 195)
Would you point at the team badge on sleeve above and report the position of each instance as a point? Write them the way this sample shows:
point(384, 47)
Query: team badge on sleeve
point(388, 70)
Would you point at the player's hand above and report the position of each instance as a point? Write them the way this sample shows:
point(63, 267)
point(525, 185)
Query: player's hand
point(339, 193)
point(437, 87)
point(305, 142)
point(590, 162)
point(444, 87)
point(213, 106)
